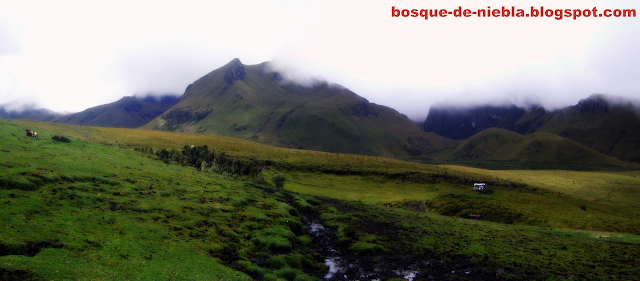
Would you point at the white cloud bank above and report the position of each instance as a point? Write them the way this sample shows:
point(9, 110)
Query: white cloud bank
point(71, 55)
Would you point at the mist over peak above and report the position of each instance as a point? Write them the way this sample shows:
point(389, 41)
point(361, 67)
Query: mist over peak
point(20, 105)
point(155, 97)
point(613, 100)
point(286, 73)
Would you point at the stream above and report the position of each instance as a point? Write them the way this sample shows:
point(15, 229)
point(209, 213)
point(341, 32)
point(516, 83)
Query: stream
point(348, 267)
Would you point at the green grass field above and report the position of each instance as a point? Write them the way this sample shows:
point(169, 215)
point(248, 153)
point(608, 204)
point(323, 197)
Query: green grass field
point(95, 209)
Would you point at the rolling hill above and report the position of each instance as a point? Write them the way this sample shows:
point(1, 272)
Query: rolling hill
point(252, 102)
point(128, 112)
point(540, 147)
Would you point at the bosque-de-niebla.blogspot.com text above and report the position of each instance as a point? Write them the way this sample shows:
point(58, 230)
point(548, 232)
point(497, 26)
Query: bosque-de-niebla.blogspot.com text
point(513, 12)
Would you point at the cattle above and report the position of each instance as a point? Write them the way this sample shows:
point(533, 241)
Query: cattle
point(31, 134)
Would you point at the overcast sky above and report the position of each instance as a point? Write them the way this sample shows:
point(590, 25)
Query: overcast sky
point(71, 55)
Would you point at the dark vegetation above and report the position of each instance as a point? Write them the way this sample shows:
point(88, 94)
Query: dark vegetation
point(278, 180)
point(213, 161)
point(465, 206)
point(61, 138)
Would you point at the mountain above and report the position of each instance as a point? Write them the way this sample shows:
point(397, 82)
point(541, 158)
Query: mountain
point(28, 111)
point(461, 123)
point(252, 102)
point(540, 147)
point(607, 124)
point(128, 112)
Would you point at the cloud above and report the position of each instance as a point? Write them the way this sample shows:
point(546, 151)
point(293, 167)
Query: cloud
point(71, 55)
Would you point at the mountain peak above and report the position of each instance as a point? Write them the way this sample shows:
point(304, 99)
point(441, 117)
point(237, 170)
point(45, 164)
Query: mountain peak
point(235, 71)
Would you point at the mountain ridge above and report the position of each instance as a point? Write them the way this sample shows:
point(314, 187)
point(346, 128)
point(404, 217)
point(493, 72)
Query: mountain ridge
point(253, 102)
point(609, 125)
point(127, 112)
point(28, 111)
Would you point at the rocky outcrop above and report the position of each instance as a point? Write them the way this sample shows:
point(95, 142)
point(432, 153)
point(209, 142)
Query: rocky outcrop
point(235, 72)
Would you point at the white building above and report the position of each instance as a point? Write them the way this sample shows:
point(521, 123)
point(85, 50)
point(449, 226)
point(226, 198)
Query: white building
point(478, 186)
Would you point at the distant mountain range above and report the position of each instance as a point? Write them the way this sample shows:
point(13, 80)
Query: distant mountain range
point(606, 124)
point(28, 111)
point(252, 102)
point(128, 112)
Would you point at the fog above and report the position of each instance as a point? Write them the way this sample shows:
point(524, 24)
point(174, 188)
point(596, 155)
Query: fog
point(72, 55)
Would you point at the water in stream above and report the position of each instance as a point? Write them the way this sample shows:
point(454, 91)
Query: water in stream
point(341, 267)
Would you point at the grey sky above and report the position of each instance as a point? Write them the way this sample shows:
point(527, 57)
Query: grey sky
point(71, 55)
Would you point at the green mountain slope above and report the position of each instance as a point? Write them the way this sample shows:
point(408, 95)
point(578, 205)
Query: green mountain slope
point(606, 126)
point(250, 102)
point(128, 112)
point(540, 147)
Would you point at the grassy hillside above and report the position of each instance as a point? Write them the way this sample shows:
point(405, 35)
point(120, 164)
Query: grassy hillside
point(128, 112)
point(250, 102)
point(96, 209)
point(496, 145)
point(601, 123)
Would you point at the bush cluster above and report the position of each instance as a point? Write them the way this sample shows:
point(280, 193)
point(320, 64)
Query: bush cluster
point(146, 150)
point(278, 180)
point(61, 138)
point(212, 161)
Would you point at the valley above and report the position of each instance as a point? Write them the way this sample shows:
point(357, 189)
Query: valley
point(104, 207)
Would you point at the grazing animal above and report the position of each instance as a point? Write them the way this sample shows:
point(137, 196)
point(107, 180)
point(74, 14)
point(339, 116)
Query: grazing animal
point(31, 134)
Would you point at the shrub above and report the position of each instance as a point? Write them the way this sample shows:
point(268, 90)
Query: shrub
point(258, 180)
point(61, 138)
point(278, 180)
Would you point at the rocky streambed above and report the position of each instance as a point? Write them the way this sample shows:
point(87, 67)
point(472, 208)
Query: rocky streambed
point(342, 265)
